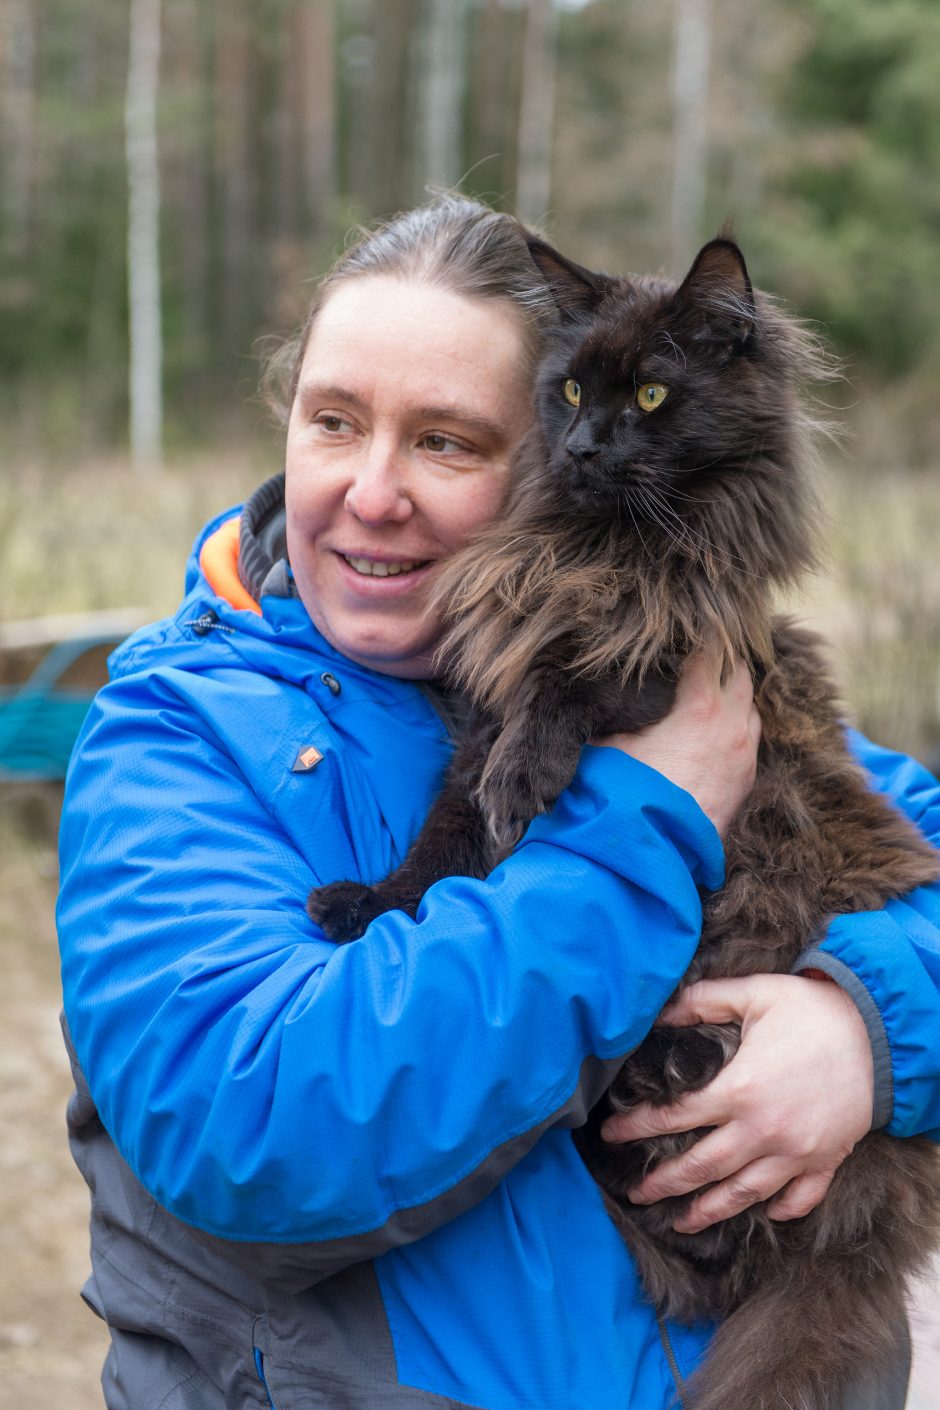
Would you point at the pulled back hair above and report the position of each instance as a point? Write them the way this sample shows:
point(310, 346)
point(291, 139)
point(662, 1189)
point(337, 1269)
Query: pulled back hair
point(453, 243)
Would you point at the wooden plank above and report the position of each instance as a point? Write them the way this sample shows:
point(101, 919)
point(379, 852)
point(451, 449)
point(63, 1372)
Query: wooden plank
point(33, 632)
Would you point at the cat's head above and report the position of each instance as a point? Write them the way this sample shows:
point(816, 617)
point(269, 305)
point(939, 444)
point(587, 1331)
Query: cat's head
point(680, 410)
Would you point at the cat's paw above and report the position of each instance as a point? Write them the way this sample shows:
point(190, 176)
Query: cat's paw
point(343, 909)
point(514, 791)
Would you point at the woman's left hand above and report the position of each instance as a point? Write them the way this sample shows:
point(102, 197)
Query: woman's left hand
point(786, 1111)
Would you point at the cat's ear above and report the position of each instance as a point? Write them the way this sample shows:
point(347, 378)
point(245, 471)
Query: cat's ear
point(576, 290)
point(719, 284)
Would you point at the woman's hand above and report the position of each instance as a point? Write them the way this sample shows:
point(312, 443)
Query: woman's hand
point(786, 1110)
point(707, 744)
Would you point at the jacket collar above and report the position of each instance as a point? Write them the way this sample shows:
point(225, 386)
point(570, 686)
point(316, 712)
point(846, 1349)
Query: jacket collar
point(263, 568)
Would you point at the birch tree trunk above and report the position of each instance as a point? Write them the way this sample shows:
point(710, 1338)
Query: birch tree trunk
point(143, 236)
point(392, 114)
point(186, 203)
point(292, 83)
point(439, 149)
point(690, 141)
point(18, 119)
point(537, 110)
point(314, 29)
point(236, 120)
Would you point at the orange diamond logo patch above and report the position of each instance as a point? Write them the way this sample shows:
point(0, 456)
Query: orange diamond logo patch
point(307, 759)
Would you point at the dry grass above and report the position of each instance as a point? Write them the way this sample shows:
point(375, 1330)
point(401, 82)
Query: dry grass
point(878, 602)
point(99, 537)
point(51, 1347)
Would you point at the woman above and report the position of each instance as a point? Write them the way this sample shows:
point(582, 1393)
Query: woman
point(343, 1176)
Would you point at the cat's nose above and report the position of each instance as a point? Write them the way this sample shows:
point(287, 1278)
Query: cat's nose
point(581, 444)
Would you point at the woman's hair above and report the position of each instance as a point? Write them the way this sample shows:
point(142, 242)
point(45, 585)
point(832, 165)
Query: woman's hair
point(454, 243)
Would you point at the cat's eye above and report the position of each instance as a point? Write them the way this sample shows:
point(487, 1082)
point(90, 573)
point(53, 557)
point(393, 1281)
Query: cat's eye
point(651, 395)
point(572, 391)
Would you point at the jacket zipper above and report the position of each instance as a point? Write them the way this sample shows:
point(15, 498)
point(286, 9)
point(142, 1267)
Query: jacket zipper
point(671, 1358)
point(259, 1367)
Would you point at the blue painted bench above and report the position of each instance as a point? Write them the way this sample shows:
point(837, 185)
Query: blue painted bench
point(40, 717)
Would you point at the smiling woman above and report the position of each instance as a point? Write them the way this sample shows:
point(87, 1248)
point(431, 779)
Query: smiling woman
point(344, 1176)
point(398, 449)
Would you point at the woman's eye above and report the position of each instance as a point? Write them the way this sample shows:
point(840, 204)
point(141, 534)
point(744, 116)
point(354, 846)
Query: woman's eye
point(436, 441)
point(651, 395)
point(572, 391)
point(328, 421)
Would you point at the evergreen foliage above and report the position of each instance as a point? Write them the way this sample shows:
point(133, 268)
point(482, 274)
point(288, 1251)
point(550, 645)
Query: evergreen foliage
point(285, 122)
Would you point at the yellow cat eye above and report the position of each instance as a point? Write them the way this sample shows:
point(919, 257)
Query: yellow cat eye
point(651, 395)
point(572, 391)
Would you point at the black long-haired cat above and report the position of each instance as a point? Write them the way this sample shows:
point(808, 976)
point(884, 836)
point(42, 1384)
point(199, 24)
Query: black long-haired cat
point(661, 496)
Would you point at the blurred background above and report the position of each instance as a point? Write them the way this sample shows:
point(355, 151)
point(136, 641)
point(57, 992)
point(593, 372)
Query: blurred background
point(173, 176)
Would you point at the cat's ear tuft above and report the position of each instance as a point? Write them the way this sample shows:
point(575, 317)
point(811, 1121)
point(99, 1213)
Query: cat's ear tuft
point(576, 290)
point(720, 284)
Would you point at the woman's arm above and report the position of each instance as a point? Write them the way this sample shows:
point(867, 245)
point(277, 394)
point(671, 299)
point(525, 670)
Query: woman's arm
point(863, 1051)
point(889, 962)
point(267, 1086)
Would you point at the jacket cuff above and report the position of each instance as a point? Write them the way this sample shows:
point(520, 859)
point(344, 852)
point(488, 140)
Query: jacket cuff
point(870, 955)
point(818, 959)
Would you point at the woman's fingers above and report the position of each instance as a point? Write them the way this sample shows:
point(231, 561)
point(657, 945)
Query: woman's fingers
point(753, 1184)
point(801, 1195)
point(695, 1109)
point(711, 1001)
point(782, 1115)
point(714, 1166)
point(707, 743)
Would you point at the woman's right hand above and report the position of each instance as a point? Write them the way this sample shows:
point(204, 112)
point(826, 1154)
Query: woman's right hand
point(707, 744)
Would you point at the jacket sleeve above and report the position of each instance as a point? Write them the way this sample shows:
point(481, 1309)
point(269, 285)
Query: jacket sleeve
point(889, 961)
point(269, 1087)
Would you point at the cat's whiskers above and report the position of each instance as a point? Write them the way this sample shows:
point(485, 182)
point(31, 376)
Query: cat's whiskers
point(654, 498)
point(645, 546)
point(667, 337)
point(700, 539)
point(648, 507)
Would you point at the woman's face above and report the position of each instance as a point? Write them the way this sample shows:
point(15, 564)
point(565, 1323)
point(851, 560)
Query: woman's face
point(410, 402)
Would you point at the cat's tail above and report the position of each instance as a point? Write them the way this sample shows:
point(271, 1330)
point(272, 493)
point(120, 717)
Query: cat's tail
point(807, 1343)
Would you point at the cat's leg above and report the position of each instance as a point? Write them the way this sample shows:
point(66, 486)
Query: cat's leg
point(536, 753)
point(687, 1276)
point(453, 842)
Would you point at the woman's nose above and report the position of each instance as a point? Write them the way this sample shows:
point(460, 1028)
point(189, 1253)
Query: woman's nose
point(379, 492)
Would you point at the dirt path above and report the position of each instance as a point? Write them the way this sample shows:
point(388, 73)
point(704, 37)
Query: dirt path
point(51, 1345)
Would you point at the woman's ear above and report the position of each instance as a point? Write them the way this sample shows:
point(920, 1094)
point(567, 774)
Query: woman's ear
point(576, 290)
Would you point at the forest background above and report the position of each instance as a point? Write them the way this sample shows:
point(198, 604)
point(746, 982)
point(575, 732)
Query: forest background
point(258, 133)
point(173, 176)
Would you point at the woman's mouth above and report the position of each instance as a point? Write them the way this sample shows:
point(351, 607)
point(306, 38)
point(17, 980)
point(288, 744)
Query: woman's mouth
point(374, 568)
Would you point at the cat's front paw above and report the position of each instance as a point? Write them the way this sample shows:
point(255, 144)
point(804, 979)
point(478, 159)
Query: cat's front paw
point(515, 790)
point(343, 909)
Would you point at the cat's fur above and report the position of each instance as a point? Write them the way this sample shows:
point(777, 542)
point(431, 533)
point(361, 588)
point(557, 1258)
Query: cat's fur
point(632, 539)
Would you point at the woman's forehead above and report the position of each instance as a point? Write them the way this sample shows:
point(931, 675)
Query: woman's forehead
point(379, 330)
point(385, 305)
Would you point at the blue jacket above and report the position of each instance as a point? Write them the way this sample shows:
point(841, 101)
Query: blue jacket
point(347, 1172)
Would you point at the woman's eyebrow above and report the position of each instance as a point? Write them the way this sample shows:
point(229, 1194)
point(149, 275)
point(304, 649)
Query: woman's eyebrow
point(330, 392)
point(478, 425)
